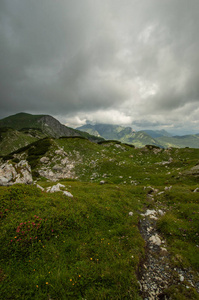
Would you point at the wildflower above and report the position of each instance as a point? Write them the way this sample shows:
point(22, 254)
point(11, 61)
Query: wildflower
point(79, 275)
point(71, 280)
point(52, 230)
point(11, 240)
point(37, 286)
point(91, 258)
point(46, 282)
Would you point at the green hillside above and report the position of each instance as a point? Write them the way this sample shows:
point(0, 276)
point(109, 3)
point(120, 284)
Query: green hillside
point(21, 120)
point(11, 140)
point(91, 245)
point(160, 138)
point(139, 139)
point(22, 129)
point(191, 141)
point(123, 223)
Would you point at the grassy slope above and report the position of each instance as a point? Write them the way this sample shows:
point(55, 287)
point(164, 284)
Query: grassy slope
point(89, 252)
point(21, 120)
point(12, 140)
point(184, 141)
point(85, 246)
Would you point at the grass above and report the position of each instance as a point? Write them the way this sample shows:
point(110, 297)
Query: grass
point(88, 246)
point(83, 246)
point(180, 226)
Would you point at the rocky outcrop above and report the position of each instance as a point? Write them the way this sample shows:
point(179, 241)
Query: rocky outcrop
point(11, 173)
point(58, 167)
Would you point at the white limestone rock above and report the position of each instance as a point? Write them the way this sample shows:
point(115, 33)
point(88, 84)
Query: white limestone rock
point(155, 239)
point(15, 173)
point(68, 194)
point(40, 187)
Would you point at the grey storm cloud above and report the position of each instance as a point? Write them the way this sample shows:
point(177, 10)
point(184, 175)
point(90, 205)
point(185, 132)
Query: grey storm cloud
point(135, 61)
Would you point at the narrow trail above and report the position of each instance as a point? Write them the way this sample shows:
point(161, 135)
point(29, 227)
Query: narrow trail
point(157, 272)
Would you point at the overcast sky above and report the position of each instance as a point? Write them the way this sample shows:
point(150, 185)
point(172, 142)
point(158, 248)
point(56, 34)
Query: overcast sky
point(128, 62)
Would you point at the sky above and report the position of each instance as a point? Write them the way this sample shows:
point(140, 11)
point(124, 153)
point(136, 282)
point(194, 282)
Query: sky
point(125, 62)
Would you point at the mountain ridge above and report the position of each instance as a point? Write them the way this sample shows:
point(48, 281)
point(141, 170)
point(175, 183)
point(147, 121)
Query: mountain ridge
point(19, 130)
point(160, 138)
point(48, 124)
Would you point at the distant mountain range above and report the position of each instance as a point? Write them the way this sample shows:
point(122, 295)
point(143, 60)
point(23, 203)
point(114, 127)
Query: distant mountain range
point(22, 129)
point(19, 130)
point(160, 138)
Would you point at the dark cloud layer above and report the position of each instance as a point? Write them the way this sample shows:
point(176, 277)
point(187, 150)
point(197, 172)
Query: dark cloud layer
point(131, 62)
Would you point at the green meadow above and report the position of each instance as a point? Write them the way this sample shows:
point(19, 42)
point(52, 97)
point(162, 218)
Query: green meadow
point(88, 246)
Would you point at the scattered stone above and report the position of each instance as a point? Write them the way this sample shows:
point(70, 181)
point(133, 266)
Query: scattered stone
point(149, 213)
point(40, 187)
point(168, 188)
point(44, 160)
point(102, 182)
point(130, 213)
point(163, 249)
point(181, 278)
point(55, 188)
point(160, 193)
point(155, 239)
point(61, 152)
point(68, 194)
point(160, 212)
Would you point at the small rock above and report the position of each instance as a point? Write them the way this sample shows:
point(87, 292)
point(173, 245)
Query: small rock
point(130, 213)
point(160, 193)
point(68, 194)
point(40, 187)
point(161, 212)
point(181, 278)
point(168, 188)
point(149, 212)
point(102, 182)
point(154, 239)
point(55, 188)
point(44, 160)
point(163, 249)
